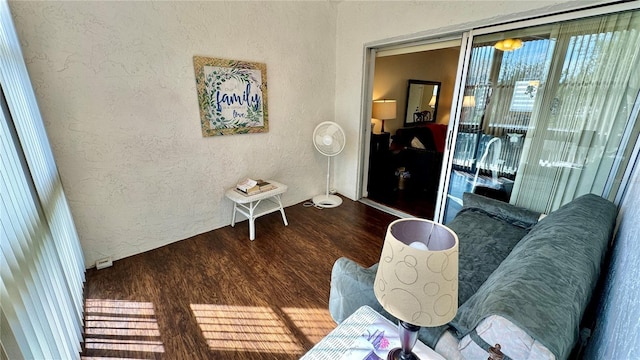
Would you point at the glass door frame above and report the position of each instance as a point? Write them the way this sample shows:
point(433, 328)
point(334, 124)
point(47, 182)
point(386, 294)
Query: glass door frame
point(371, 50)
point(463, 68)
point(452, 129)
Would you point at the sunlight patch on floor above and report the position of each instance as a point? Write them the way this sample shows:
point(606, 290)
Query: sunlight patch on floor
point(313, 323)
point(121, 325)
point(244, 328)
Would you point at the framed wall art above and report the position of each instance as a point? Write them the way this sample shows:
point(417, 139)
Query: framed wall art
point(232, 96)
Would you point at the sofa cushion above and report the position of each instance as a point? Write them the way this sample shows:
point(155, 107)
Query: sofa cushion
point(544, 285)
point(404, 137)
point(417, 144)
point(511, 214)
point(488, 230)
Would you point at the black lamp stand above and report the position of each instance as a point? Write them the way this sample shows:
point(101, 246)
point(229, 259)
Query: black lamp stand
point(408, 334)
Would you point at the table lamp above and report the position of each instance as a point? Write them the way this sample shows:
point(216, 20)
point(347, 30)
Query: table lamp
point(417, 278)
point(384, 110)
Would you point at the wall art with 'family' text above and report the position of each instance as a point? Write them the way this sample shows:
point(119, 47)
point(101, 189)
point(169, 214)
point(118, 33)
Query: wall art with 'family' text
point(232, 96)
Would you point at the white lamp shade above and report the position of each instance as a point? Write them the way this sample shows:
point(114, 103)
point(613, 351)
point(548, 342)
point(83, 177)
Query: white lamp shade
point(417, 277)
point(432, 102)
point(384, 109)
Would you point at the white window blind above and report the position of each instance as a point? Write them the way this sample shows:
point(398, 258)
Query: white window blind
point(585, 107)
point(41, 262)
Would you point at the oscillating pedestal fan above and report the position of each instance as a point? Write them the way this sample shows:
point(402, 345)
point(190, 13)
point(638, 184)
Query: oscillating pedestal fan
point(328, 138)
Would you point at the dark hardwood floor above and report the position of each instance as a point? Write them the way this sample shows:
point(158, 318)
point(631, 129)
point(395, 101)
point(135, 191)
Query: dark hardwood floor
point(220, 295)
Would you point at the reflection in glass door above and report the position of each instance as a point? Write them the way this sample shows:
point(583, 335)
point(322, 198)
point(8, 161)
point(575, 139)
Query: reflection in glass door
point(542, 121)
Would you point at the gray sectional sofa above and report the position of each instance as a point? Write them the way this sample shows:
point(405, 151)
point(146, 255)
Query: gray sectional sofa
point(523, 283)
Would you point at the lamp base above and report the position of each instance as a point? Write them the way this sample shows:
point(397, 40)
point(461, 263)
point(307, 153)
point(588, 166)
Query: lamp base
point(408, 334)
point(397, 354)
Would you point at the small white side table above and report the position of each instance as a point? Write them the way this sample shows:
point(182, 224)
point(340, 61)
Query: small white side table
point(364, 335)
point(256, 205)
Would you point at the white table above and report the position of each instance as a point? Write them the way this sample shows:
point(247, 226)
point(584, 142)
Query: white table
point(363, 335)
point(256, 205)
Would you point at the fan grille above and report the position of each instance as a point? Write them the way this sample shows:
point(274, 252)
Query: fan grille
point(329, 138)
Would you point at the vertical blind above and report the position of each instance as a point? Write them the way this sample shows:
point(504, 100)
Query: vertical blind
point(584, 108)
point(503, 86)
point(41, 262)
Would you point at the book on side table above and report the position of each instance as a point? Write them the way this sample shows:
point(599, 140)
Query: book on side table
point(250, 187)
point(265, 185)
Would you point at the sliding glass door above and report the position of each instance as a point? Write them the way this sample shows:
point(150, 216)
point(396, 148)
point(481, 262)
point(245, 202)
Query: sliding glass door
point(547, 113)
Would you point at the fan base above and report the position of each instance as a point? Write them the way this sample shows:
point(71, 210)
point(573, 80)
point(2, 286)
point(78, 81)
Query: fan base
point(327, 201)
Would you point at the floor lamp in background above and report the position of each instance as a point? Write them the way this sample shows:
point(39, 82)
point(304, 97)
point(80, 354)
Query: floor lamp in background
point(384, 110)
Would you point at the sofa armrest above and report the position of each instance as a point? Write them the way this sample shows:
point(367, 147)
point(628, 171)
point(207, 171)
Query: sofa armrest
point(351, 288)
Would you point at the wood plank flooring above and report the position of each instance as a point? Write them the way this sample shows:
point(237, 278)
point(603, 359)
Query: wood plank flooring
point(220, 295)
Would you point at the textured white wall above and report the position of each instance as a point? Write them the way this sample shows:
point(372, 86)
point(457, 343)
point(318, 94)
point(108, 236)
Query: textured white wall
point(360, 23)
point(617, 331)
point(116, 88)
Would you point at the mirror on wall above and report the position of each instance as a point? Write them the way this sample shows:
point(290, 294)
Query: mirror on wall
point(422, 102)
